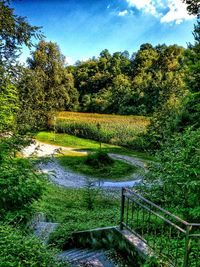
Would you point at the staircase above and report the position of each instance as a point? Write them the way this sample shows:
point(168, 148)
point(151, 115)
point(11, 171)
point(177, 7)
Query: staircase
point(77, 257)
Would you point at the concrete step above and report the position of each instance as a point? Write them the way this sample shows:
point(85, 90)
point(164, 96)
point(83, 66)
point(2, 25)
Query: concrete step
point(44, 229)
point(86, 257)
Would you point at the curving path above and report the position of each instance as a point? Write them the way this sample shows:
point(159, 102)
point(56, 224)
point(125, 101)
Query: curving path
point(68, 178)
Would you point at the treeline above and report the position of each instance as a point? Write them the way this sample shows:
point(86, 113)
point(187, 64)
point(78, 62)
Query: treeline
point(136, 85)
point(115, 83)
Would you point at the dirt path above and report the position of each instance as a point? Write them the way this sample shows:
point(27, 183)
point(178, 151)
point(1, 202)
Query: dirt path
point(68, 178)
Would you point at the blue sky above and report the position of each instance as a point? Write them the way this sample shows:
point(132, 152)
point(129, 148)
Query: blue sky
point(84, 28)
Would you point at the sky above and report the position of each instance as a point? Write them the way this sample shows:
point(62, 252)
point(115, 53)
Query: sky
point(83, 28)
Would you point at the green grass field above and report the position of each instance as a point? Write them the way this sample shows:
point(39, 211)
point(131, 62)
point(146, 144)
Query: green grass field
point(78, 143)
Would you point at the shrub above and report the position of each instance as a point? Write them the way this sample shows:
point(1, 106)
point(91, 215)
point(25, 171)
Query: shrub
point(175, 175)
point(20, 184)
point(99, 159)
point(23, 251)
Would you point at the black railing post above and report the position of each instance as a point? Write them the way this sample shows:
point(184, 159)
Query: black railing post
point(122, 209)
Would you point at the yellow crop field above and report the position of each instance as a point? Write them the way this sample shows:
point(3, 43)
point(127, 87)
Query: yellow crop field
point(115, 129)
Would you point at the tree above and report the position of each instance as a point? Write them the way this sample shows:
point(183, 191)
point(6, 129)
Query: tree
point(14, 32)
point(46, 86)
point(176, 173)
point(9, 105)
point(191, 115)
point(48, 63)
point(193, 6)
point(121, 90)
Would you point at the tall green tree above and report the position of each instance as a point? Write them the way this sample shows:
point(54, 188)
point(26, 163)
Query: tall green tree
point(193, 6)
point(15, 31)
point(45, 87)
point(48, 62)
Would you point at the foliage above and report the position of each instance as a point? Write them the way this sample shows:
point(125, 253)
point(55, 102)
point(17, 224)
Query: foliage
point(163, 124)
point(177, 174)
point(45, 86)
point(58, 91)
point(8, 107)
point(17, 250)
point(192, 106)
point(193, 6)
point(123, 85)
point(31, 114)
point(89, 194)
point(20, 184)
point(68, 207)
point(14, 32)
point(151, 262)
point(99, 159)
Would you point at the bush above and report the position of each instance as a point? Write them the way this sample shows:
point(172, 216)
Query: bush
point(99, 159)
point(22, 251)
point(175, 175)
point(20, 184)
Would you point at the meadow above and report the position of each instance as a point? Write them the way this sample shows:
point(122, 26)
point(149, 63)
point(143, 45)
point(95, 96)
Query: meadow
point(113, 129)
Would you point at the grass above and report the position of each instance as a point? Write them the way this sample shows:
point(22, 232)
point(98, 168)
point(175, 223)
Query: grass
point(69, 207)
point(119, 170)
point(67, 140)
point(113, 129)
point(78, 143)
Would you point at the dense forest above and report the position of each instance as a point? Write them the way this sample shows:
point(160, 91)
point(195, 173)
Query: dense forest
point(161, 82)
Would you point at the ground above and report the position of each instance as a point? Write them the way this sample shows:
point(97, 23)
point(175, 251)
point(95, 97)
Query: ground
point(65, 177)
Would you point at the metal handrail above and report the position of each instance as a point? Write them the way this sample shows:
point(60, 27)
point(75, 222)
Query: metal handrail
point(156, 206)
point(172, 241)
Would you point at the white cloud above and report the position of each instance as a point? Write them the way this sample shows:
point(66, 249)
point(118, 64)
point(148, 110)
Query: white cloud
point(123, 13)
point(177, 11)
point(147, 5)
point(68, 60)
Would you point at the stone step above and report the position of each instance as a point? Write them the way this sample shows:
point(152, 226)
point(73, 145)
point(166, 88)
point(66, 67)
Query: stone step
point(44, 229)
point(86, 257)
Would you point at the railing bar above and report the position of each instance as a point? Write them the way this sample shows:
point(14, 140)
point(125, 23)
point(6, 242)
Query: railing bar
point(145, 209)
point(142, 222)
point(156, 206)
point(132, 211)
point(127, 209)
point(148, 223)
point(161, 217)
point(194, 235)
point(137, 217)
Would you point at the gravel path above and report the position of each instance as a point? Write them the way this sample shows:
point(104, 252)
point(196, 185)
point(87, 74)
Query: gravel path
point(68, 178)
